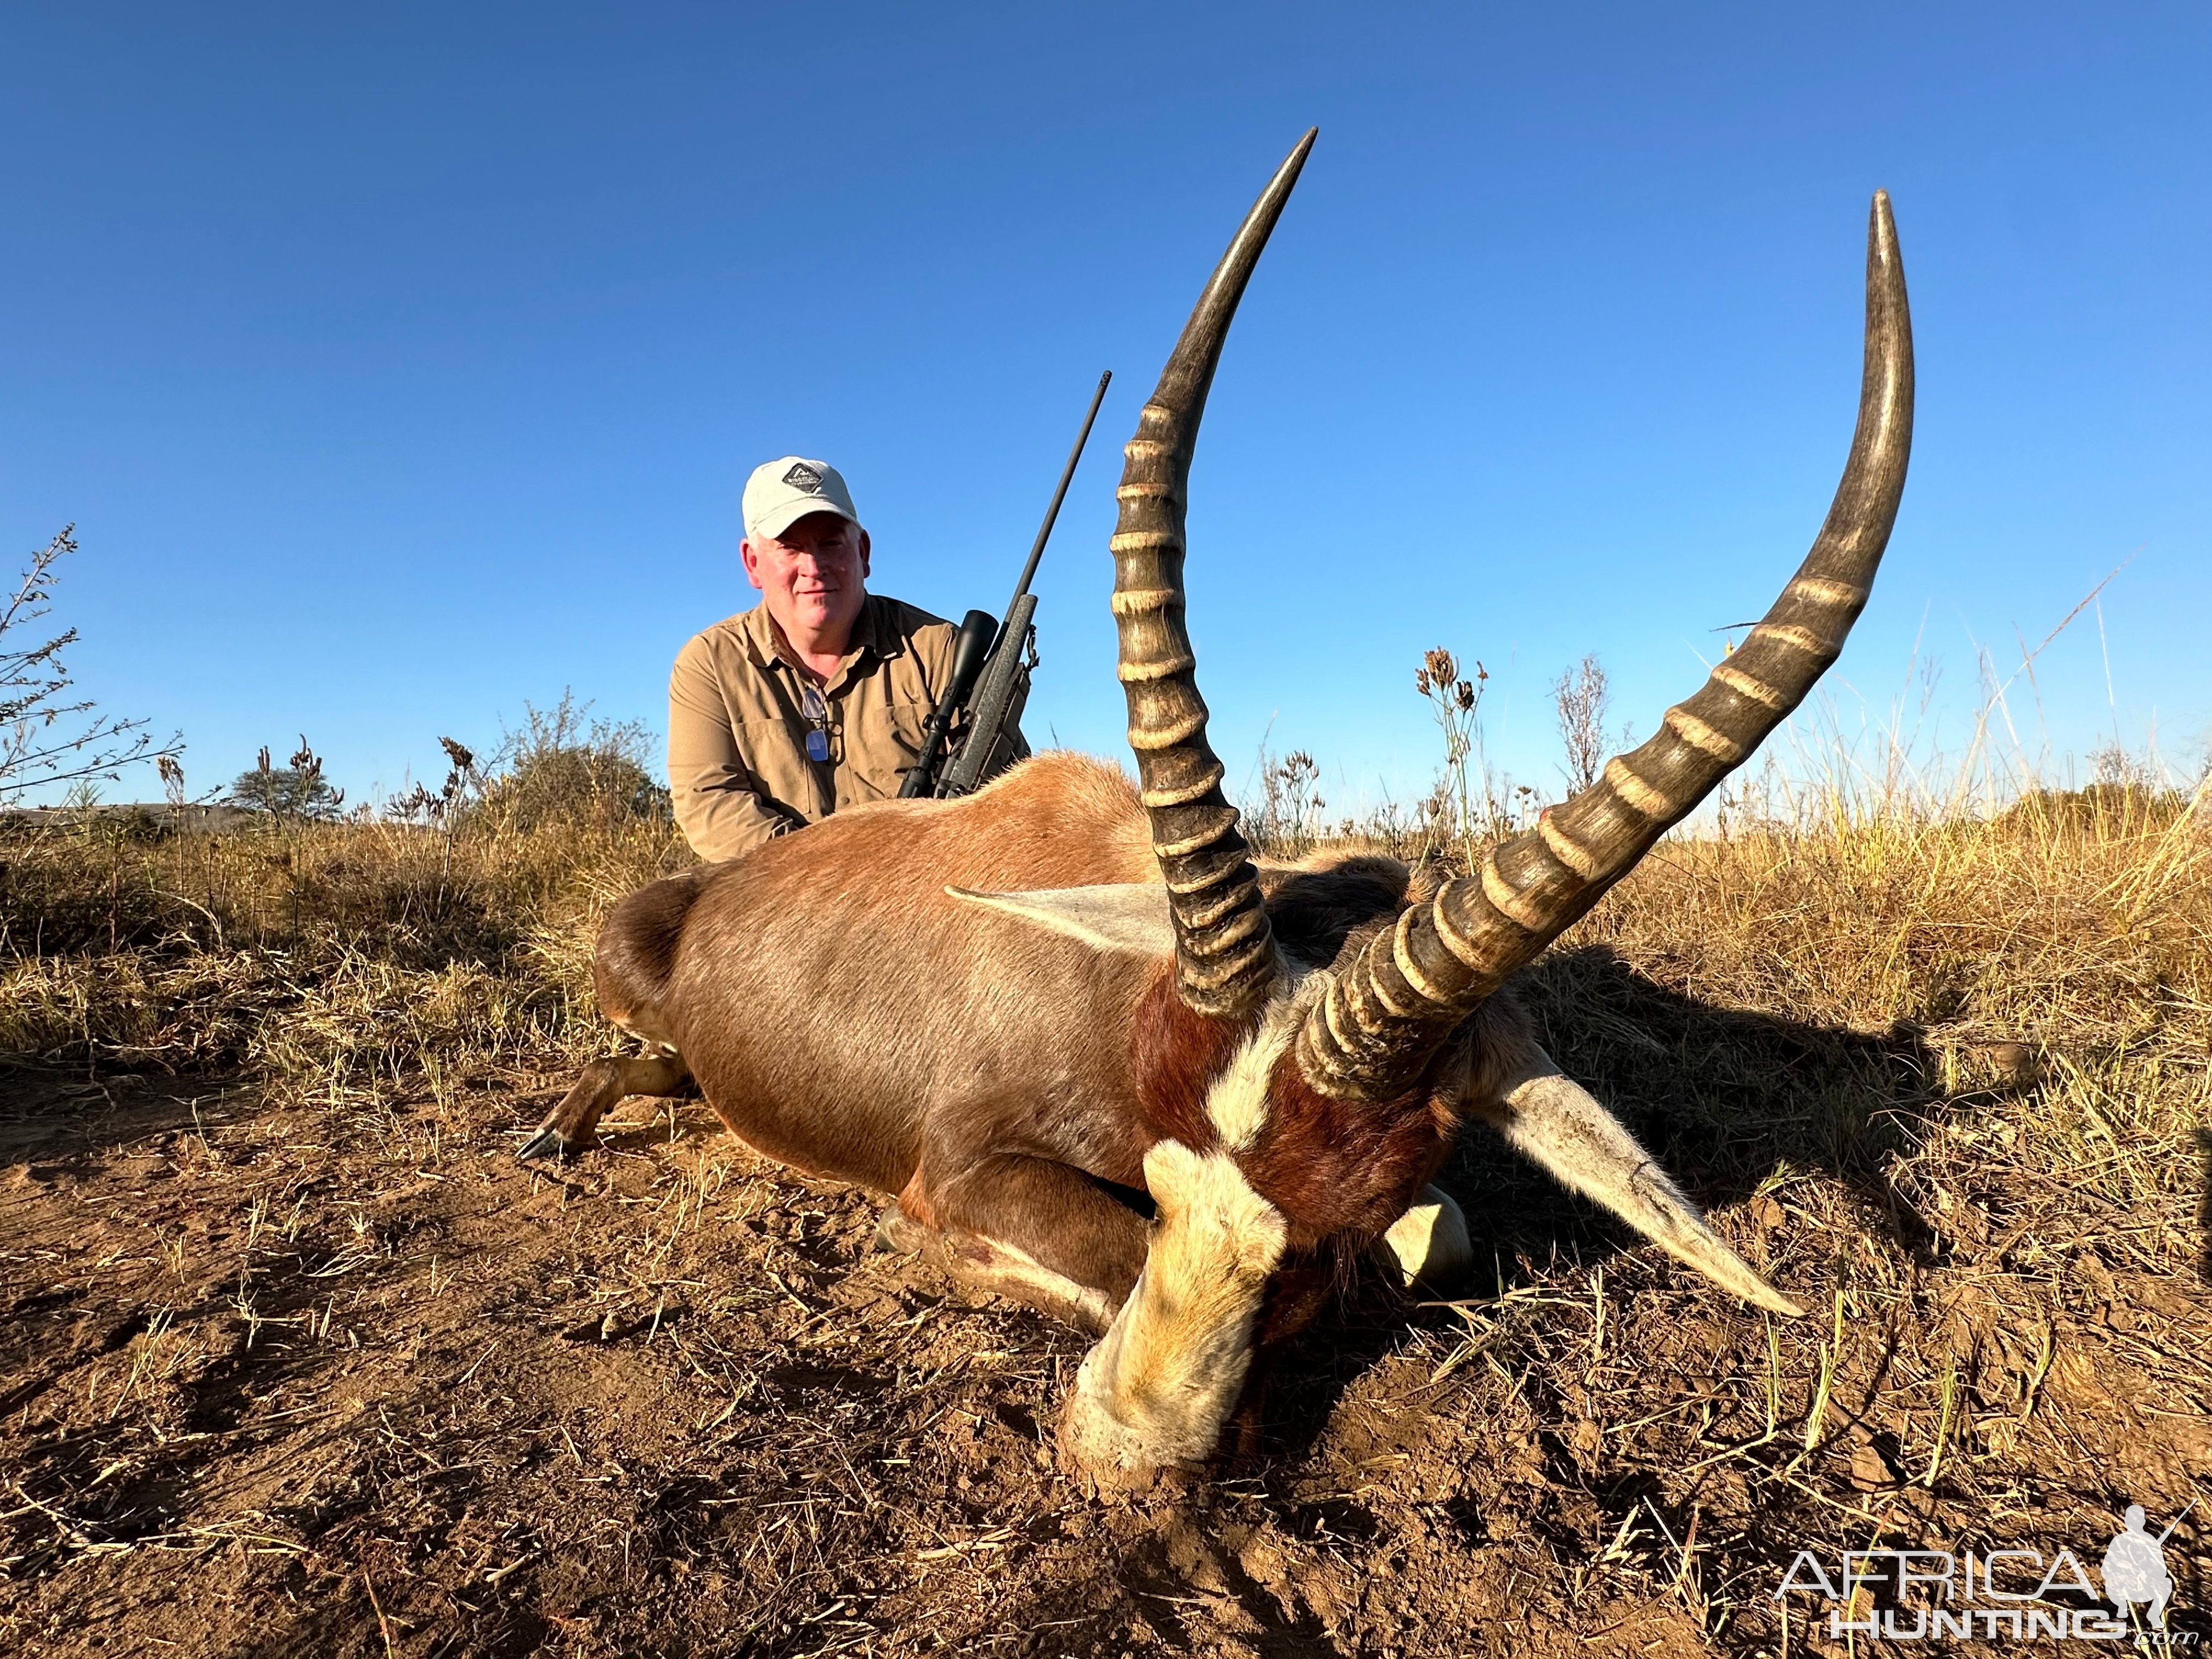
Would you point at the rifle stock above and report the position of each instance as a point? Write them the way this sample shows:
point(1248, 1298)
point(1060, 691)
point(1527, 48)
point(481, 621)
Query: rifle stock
point(972, 648)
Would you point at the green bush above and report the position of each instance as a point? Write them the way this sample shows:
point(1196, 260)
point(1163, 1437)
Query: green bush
point(562, 769)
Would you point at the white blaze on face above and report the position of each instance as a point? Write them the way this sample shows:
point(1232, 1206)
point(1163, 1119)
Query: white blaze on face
point(1156, 1389)
point(1236, 1105)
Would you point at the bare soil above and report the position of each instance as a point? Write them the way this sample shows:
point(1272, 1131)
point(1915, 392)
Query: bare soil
point(288, 1376)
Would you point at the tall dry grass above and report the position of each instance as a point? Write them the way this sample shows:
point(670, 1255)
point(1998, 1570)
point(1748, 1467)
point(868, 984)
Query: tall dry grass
point(316, 957)
point(2069, 935)
point(2056, 956)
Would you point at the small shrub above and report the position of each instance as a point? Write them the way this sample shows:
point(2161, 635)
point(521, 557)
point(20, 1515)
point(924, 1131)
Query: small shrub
point(44, 738)
point(561, 769)
point(1286, 819)
point(1581, 697)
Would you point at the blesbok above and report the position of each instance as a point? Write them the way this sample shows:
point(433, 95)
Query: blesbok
point(1038, 1012)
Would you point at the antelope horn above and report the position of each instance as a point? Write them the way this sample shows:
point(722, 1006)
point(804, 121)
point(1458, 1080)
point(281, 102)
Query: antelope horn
point(1375, 1030)
point(1224, 950)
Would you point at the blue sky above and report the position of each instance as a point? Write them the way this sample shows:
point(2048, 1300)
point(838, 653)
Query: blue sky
point(400, 364)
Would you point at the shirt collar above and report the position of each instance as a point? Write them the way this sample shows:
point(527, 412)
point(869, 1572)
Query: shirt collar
point(875, 629)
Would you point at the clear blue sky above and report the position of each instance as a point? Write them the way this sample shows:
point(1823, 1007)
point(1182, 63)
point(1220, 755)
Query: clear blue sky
point(398, 364)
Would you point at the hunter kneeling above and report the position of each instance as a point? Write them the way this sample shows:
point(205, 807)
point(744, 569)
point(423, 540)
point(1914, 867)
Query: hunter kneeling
point(815, 700)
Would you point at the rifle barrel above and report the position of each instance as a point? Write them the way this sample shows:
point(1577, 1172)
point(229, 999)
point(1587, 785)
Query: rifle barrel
point(1067, 475)
point(1004, 670)
point(2177, 1521)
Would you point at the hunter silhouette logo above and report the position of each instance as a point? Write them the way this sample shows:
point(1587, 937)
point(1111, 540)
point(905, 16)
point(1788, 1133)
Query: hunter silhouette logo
point(802, 476)
point(1932, 1596)
point(2135, 1568)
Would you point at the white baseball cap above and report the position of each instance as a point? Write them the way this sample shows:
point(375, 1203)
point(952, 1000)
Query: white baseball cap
point(781, 492)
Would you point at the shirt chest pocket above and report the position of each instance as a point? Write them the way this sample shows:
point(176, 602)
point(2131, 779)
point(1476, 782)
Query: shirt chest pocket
point(881, 744)
point(774, 749)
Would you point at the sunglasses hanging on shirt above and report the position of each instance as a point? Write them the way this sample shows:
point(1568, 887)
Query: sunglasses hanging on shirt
point(817, 711)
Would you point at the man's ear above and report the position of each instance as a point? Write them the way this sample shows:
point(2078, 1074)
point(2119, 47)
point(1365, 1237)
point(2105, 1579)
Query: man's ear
point(751, 560)
point(864, 555)
point(1130, 917)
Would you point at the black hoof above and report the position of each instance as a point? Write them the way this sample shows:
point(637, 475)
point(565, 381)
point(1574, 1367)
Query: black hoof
point(548, 1142)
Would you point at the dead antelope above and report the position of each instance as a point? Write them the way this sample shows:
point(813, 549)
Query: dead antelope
point(1039, 1012)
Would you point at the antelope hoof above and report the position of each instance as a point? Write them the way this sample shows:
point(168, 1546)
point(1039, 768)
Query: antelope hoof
point(898, 1233)
point(550, 1143)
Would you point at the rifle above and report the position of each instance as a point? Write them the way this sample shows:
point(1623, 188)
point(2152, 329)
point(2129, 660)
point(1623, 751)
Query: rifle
point(2177, 1520)
point(971, 646)
point(991, 664)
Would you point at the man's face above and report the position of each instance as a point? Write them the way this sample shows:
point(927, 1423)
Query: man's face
point(814, 576)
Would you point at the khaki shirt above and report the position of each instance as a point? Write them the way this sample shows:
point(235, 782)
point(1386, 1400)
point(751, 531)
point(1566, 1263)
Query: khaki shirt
point(738, 765)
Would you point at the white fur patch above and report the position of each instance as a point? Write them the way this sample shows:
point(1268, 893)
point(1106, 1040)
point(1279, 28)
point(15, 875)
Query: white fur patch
point(1130, 917)
point(1085, 1305)
point(1158, 1387)
point(1236, 1105)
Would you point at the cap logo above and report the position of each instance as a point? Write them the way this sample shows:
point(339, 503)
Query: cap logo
point(804, 477)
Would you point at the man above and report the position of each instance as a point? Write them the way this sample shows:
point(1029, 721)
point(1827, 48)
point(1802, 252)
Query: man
point(815, 699)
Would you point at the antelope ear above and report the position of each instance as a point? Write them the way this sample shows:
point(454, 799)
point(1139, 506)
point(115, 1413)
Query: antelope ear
point(1130, 917)
point(1560, 1124)
point(1429, 1244)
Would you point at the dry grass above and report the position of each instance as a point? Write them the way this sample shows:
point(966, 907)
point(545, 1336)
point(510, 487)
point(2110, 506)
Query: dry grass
point(297, 1361)
point(314, 957)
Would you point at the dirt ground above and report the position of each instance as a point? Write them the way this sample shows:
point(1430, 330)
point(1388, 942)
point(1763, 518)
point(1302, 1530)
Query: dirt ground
point(286, 1376)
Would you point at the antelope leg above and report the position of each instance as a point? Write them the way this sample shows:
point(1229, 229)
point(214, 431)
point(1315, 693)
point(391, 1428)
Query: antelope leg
point(1024, 1228)
point(571, 1127)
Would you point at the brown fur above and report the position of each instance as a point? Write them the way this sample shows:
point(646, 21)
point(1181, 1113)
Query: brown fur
point(1346, 1170)
point(1314, 907)
point(636, 950)
point(845, 1015)
point(1175, 1055)
point(841, 1010)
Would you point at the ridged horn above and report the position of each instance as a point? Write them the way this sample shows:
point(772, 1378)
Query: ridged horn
point(1381, 1019)
point(1225, 951)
